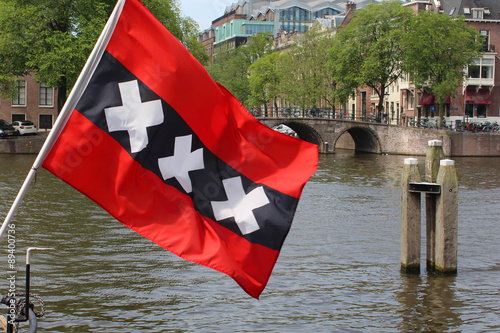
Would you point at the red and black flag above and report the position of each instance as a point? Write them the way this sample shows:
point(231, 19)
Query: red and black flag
point(174, 156)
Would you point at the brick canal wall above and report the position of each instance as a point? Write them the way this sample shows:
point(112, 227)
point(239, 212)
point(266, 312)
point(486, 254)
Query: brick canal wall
point(30, 144)
point(460, 144)
point(475, 144)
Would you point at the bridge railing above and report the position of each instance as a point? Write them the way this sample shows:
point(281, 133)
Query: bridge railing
point(327, 113)
point(342, 114)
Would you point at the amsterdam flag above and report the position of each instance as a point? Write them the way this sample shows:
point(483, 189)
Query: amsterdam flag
point(174, 156)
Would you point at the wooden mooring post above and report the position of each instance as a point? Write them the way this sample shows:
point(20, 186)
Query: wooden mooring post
point(441, 203)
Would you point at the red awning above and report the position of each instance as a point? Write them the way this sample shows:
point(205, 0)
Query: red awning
point(428, 99)
point(482, 96)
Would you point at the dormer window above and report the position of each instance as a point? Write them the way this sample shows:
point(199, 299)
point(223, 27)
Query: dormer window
point(477, 13)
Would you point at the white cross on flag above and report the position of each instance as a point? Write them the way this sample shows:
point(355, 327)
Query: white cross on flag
point(175, 156)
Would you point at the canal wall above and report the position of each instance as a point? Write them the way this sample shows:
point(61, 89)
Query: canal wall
point(475, 144)
point(399, 140)
point(396, 142)
point(23, 144)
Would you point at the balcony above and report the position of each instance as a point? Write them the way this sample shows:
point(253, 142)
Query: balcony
point(482, 72)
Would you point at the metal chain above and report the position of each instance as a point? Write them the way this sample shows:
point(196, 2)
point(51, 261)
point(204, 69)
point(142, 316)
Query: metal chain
point(21, 304)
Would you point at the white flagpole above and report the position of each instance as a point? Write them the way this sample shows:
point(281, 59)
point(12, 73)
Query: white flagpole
point(67, 110)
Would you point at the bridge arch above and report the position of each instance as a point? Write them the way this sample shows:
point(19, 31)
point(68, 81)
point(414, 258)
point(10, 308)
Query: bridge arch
point(304, 132)
point(365, 139)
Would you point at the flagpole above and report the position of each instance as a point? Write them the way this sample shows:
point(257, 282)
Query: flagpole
point(67, 109)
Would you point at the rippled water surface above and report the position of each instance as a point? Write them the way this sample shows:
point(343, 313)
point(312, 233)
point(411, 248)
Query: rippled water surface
point(339, 270)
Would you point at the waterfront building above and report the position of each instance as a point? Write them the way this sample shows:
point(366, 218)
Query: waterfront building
point(34, 101)
point(477, 100)
point(245, 18)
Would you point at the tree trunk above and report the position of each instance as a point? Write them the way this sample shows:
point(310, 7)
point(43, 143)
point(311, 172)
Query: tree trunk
point(380, 107)
point(61, 95)
point(441, 115)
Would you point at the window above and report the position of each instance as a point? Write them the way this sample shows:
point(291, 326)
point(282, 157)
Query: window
point(469, 110)
point(45, 121)
point(290, 27)
point(20, 89)
point(487, 68)
point(251, 29)
point(481, 110)
point(326, 11)
point(295, 14)
point(485, 34)
point(363, 103)
point(46, 95)
point(18, 117)
point(411, 100)
point(481, 69)
point(477, 13)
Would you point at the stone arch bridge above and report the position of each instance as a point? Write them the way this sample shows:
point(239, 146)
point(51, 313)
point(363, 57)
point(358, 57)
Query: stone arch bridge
point(368, 137)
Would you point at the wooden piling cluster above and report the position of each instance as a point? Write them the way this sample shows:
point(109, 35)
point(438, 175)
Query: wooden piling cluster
point(441, 211)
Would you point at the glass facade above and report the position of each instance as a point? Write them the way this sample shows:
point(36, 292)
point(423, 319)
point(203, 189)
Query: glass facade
point(326, 11)
point(252, 29)
point(241, 29)
point(295, 14)
point(294, 19)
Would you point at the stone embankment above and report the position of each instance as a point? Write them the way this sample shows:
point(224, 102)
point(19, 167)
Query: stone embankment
point(461, 144)
point(27, 144)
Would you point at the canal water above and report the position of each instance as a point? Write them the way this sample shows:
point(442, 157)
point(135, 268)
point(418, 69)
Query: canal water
point(339, 270)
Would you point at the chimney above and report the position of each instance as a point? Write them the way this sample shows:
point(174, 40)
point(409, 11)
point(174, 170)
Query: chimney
point(350, 6)
point(350, 9)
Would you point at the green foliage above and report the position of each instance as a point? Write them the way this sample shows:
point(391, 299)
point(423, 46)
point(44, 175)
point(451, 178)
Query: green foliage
point(264, 79)
point(437, 49)
point(382, 42)
point(53, 38)
point(368, 50)
point(231, 66)
point(305, 79)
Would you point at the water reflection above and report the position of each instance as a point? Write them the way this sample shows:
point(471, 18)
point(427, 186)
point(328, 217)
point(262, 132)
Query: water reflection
point(428, 303)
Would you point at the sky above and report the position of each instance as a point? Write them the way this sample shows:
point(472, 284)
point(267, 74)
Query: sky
point(204, 11)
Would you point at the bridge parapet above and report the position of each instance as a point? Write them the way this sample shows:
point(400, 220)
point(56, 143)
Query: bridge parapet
point(368, 137)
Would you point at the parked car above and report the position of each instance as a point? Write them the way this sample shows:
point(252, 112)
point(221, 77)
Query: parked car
point(25, 127)
point(6, 130)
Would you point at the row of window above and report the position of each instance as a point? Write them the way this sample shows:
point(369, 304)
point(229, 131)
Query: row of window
point(300, 14)
point(250, 29)
point(45, 96)
point(294, 26)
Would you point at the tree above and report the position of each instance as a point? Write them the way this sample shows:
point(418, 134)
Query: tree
point(53, 38)
point(368, 51)
point(437, 49)
point(264, 80)
point(230, 67)
point(306, 81)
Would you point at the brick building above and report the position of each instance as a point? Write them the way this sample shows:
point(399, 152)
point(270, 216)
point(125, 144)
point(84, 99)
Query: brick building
point(34, 101)
point(477, 100)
